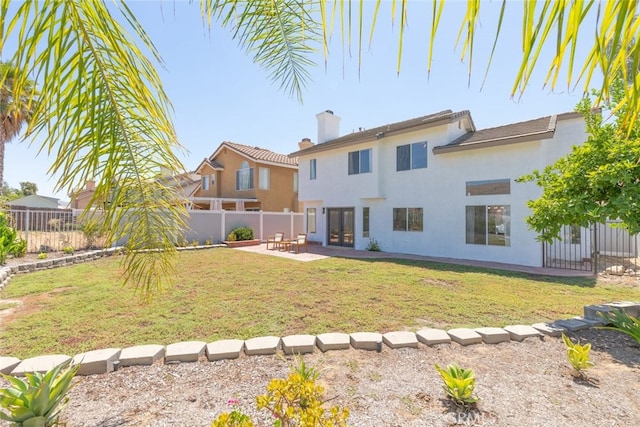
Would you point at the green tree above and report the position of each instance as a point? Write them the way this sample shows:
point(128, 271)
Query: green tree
point(9, 193)
point(28, 188)
point(15, 107)
point(598, 180)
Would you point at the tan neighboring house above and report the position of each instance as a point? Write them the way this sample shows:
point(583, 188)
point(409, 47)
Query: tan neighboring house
point(80, 198)
point(239, 177)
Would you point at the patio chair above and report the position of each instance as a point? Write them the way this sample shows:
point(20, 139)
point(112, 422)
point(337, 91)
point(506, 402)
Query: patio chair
point(276, 240)
point(300, 242)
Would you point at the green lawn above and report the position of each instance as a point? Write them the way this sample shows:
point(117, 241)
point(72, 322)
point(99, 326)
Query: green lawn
point(224, 293)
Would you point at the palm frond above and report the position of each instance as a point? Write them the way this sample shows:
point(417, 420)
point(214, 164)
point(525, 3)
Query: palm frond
point(281, 35)
point(103, 115)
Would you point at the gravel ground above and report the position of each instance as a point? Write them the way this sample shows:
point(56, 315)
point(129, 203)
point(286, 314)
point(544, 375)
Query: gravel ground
point(519, 384)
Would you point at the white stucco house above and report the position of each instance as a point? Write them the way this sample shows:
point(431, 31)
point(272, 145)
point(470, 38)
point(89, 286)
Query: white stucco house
point(432, 185)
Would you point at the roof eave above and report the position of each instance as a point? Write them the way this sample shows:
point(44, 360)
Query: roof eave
point(535, 136)
point(337, 143)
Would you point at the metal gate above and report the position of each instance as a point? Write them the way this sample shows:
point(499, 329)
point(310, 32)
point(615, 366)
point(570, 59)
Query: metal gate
point(594, 249)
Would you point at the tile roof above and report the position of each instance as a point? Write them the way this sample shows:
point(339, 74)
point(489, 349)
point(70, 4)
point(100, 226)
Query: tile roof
point(259, 154)
point(529, 130)
point(428, 120)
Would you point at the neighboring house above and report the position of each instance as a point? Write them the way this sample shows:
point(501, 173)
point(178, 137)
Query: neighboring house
point(433, 185)
point(34, 201)
point(185, 184)
point(80, 198)
point(243, 178)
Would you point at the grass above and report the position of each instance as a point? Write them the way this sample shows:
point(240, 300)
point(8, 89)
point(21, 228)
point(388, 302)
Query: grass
point(222, 293)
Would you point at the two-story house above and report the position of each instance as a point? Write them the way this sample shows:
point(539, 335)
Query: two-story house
point(432, 185)
point(243, 178)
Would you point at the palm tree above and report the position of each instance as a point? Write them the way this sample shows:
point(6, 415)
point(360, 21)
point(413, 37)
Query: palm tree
point(103, 113)
point(14, 110)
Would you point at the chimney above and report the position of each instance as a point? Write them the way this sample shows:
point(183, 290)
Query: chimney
point(328, 126)
point(305, 143)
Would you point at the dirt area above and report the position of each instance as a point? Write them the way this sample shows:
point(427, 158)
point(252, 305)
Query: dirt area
point(519, 384)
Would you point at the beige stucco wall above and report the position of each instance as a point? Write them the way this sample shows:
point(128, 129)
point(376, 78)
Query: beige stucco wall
point(278, 197)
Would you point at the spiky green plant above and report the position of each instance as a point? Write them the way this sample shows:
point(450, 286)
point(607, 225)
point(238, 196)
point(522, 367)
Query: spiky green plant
point(459, 383)
point(578, 355)
point(620, 320)
point(38, 400)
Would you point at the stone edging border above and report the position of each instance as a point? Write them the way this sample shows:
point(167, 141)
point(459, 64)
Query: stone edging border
point(108, 360)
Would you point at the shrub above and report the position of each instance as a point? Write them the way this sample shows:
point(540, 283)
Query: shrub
point(19, 248)
point(69, 250)
point(38, 400)
point(374, 245)
point(621, 321)
point(92, 229)
point(240, 233)
point(7, 238)
point(577, 354)
point(235, 418)
point(295, 401)
point(458, 383)
point(298, 401)
point(42, 255)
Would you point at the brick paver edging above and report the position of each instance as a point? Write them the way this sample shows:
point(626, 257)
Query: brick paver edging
point(110, 359)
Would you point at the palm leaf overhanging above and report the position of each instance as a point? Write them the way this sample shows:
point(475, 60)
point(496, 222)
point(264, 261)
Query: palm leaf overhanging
point(557, 23)
point(102, 114)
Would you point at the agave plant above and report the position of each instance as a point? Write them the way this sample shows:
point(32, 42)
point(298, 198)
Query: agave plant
point(37, 402)
point(458, 383)
point(577, 354)
point(621, 321)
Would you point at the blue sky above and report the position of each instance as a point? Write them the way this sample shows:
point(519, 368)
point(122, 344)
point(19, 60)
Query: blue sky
point(218, 94)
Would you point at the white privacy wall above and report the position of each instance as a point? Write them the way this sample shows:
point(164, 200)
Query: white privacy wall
point(439, 189)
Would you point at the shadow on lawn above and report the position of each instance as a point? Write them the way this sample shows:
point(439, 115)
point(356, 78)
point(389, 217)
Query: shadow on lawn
point(580, 281)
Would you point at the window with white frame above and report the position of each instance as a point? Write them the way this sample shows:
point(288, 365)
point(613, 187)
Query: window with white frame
point(205, 182)
point(312, 169)
point(244, 177)
point(488, 225)
point(360, 162)
point(311, 220)
point(408, 219)
point(295, 182)
point(411, 156)
point(263, 179)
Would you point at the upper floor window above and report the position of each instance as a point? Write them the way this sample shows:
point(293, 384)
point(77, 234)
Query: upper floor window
point(360, 162)
point(411, 156)
point(205, 182)
point(312, 169)
point(295, 182)
point(488, 187)
point(244, 177)
point(263, 179)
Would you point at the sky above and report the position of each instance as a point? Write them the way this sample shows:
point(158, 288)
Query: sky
point(218, 94)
